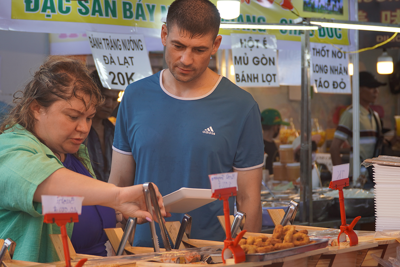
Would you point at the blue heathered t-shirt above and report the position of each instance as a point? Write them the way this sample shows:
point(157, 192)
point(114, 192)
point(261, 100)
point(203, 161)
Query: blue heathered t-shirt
point(177, 142)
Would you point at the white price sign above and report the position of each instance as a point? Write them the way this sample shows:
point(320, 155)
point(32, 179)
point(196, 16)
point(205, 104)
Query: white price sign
point(61, 204)
point(223, 180)
point(255, 60)
point(329, 69)
point(340, 172)
point(120, 59)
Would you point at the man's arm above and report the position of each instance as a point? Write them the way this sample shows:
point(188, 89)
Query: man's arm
point(335, 151)
point(249, 199)
point(122, 170)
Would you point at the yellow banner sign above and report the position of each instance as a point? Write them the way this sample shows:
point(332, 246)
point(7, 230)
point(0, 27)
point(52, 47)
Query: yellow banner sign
point(150, 14)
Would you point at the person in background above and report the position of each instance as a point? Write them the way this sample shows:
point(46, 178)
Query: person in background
point(271, 122)
point(371, 137)
point(4, 110)
point(101, 135)
point(186, 122)
point(41, 153)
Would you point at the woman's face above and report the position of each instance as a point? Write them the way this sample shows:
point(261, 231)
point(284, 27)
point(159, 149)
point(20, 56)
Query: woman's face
point(64, 125)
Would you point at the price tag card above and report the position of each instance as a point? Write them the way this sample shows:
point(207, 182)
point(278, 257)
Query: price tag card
point(61, 204)
point(340, 172)
point(223, 180)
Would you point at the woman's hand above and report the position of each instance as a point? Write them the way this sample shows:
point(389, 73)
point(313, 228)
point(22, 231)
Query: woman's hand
point(131, 203)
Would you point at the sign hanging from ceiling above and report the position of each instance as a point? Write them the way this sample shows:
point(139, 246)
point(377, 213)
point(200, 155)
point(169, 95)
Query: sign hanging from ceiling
point(381, 11)
point(255, 60)
point(329, 69)
point(146, 16)
point(120, 59)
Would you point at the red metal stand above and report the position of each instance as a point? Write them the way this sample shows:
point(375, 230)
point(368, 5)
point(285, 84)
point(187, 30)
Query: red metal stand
point(345, 229)
point(61, 219)
point(231, 247)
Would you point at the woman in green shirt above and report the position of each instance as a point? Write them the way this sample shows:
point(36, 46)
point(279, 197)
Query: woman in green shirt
point(51, 120)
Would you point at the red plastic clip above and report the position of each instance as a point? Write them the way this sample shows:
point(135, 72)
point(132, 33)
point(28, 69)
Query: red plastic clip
point(231, 247)
point(61, 219)
point(345, 229)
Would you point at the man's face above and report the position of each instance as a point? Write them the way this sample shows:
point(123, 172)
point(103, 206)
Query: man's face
point(276, 128)
point(110, 103)
point(368, 95)
point(187, 58)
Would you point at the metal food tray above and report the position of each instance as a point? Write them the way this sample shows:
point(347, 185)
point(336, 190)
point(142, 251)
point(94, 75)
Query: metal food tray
point(321, 243)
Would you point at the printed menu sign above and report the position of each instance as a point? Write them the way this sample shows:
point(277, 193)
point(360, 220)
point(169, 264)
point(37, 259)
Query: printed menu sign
point(329, 69)
point(255, 60)
point(223, 180)
point(61, 204)
point(120, 59)
point(340, 172)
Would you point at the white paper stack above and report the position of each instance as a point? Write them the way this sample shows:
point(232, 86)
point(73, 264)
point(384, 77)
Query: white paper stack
point(387, 197)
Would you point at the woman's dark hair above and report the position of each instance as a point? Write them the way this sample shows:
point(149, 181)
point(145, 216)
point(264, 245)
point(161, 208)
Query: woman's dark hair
point(96, 78)
point(197, 17)
point(59, 78)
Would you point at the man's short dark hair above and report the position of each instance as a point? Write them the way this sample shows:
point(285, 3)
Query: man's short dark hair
point(197, 17)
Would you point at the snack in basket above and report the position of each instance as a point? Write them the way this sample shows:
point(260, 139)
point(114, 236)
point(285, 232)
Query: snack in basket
point(283, 237)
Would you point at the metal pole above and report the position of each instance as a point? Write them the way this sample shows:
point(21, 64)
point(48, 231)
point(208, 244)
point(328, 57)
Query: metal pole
point(305, 148)
point(227, 63)
point(356, 104)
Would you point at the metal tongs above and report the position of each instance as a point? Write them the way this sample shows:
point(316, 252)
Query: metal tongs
point(129, 232)
point(186, 227)
point(237, 223)
point(8, 244)
point(290, 214)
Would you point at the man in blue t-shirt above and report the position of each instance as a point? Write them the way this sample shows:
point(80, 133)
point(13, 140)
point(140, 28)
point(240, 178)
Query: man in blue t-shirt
point(176, 127)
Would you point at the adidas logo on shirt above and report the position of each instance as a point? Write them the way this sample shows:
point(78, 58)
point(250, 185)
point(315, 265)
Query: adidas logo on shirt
point(209, 130)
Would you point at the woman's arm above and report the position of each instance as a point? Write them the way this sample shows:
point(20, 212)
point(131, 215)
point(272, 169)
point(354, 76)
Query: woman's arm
point(128, 200)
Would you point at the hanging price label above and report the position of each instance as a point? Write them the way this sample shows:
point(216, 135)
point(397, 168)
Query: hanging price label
point(223, 180)
point(61, 204)
point(340, 172)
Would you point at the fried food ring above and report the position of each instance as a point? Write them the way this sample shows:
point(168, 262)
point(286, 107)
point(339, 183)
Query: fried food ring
point(304, 232)
point(287, 228)
point(272, 241)
point(278, 232)
point(265, 249)
point(251, 240)
point(280, 246)
point(249, 249)
point(242, 242)
point(252, 250)
point(258, 242)
point(289, 236)
point(300, 239)
point(263, 237)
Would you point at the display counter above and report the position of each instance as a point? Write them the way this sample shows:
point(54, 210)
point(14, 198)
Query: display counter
point(330, 256)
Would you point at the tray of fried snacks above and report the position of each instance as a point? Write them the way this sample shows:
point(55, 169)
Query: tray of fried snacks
point(285, 241)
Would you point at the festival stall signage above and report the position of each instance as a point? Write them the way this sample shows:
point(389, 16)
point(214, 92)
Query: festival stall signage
point(255, 60)
point(329, 69)
point(120, 59)
point(146, 16)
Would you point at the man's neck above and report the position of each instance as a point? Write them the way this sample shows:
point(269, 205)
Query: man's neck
point(268, 136)
point(97, 124)
point(196, 88)
point(365, 105)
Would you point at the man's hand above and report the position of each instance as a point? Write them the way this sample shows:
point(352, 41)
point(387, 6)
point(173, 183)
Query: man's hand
point(249, 198)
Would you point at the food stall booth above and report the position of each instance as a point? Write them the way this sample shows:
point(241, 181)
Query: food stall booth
point(49, 17)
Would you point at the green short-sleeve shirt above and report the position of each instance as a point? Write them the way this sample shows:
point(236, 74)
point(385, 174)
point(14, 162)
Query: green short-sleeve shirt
point(25, 163)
